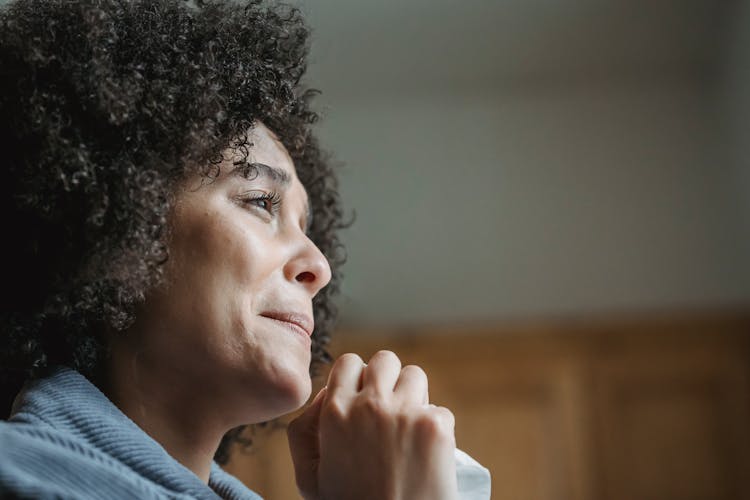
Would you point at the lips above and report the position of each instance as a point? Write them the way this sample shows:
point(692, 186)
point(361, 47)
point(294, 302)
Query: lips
point(302, 321)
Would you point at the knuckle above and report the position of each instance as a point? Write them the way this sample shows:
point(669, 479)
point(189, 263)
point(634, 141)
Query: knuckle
point(334, 410)
point(435, 426)
point(385, 355)
point(427, 424)
point(445, 414)
point(414, 371)
point(373, 405)
point(349, 358)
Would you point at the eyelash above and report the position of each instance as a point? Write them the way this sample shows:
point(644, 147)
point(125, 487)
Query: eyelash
point(273, 197)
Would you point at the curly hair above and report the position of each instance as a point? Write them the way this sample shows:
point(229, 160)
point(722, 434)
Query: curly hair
point(105, 105)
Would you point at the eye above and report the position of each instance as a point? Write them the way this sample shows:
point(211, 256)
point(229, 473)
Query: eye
point(268, 202)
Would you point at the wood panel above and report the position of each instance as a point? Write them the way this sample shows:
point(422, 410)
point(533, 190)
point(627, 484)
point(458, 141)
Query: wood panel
point(513, 413)
point(610, 409)
point(672, 420)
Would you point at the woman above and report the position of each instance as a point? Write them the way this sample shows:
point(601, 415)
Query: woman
point(171, 260)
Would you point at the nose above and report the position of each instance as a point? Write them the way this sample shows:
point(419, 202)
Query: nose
point(308, 267)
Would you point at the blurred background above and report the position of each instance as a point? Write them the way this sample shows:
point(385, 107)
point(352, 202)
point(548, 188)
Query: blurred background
point(552, 205)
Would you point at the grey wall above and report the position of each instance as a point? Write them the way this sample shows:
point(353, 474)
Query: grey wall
point(545, 202)
point(734, 95)
point(589, 188)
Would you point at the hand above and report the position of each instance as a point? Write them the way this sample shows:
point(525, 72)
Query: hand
point(371, 434)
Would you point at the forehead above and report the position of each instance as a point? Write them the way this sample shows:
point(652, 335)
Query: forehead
point(267, 151)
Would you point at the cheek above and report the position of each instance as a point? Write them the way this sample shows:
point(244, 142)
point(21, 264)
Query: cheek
point(224, 268)
point(214, 246)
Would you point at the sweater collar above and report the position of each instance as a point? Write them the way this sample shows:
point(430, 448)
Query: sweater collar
point(68, 402)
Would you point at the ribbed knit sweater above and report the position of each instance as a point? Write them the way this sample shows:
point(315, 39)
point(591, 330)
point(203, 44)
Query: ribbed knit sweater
point(65, 439)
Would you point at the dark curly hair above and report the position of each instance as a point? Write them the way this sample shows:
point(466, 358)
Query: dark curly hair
point(105, 105)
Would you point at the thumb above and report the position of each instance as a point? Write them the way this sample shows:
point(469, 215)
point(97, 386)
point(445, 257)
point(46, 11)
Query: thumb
point(307, 422)
point(303, 445)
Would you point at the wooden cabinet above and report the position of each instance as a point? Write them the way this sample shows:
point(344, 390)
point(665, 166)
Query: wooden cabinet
point(656, 408)
point(671, 418)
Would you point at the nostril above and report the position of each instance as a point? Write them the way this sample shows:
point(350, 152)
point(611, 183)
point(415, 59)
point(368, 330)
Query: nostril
point(305, 277)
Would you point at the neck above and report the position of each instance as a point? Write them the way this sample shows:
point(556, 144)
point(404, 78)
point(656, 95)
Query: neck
point(167, 409)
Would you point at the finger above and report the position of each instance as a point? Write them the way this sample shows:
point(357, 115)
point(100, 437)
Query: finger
point(381, 373)
point(446, 419)
point(411, 387)
point(313, 410)
point(436, 425)
point(304, 446)
point(303, 430)
point(346, 375)
point(445, 415)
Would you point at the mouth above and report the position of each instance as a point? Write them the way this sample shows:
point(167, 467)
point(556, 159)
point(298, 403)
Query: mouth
point(301, 322)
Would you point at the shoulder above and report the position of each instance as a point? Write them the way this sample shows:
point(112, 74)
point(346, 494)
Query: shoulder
point(39, 462)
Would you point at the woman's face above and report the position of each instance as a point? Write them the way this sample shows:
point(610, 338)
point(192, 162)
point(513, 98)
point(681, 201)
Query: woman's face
point(233, 321)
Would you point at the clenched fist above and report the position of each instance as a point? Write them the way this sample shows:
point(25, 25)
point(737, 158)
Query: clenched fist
point(371, 434)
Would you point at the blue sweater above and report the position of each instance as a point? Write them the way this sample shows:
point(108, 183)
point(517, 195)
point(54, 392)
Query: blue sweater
point(65, 439)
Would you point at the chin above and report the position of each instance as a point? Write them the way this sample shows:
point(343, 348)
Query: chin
point(285, 393)
point(295, 394)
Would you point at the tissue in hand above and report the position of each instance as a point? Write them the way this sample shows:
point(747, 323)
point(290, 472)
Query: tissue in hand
point(473, 479)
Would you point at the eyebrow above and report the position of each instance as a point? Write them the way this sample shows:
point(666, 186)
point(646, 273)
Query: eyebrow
point(252, 171)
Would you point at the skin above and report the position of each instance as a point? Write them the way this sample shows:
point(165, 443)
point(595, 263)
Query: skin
point(201, 342)
point(371, 434)
point(205, 355)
